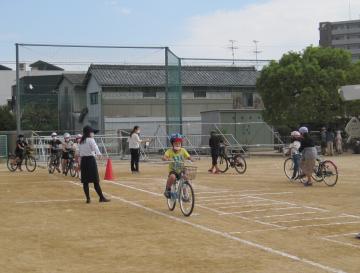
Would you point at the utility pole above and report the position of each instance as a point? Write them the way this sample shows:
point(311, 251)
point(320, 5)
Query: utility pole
point(256, 51)
point(17, 98)
point(232, 47)
point(349, 9)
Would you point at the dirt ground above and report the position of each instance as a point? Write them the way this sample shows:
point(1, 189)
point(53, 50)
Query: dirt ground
point(256, 222)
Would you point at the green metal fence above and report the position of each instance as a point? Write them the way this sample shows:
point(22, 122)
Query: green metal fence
point(3, 146)
point(173, 102)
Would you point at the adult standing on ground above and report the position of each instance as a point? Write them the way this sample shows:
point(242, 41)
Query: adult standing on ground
point(323, 140)
point(88, 149)
point(330, 137)
point(338, 142)
point(309, 154)
point(214, 143)
point(134, 146)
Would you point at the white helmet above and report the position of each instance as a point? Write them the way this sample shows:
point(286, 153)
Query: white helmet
point(295, 134)
point(66, 135)
point(54, 134)
point(79, 136)
point(303, 130)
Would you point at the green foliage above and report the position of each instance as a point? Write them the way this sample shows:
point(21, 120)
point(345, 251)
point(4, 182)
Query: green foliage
point(7, 119)
point(38, 117)
point(303, 87)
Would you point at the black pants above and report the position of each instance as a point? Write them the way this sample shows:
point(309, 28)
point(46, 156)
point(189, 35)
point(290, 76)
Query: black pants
point(97, 189)
point(135, 157)
point(214, 155)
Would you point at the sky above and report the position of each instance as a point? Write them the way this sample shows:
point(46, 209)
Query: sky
point(191, 28)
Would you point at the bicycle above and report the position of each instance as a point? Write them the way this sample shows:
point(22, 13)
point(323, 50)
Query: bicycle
point(324, 171)
point(235, 160)
point(54, 162)
point(182, 190)
point(13, 162)
point(71, 165)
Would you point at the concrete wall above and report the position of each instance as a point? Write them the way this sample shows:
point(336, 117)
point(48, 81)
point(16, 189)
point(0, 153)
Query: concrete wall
point(94, 115)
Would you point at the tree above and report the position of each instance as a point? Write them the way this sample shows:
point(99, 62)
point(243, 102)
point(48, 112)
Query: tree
point(7, 119)
point(303, 87)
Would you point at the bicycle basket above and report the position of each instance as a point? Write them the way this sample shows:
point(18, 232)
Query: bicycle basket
point(29, 150)
point(190, 172)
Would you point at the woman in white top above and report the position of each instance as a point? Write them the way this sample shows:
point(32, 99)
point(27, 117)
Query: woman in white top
point(88, 149)
point(134, 145)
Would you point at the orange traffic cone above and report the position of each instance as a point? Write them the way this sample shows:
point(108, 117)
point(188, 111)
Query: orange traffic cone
point(109, 171)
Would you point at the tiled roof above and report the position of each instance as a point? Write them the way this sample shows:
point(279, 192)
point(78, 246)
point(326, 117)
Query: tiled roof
point(127, 75)
point(41, 65)
point(75, 78)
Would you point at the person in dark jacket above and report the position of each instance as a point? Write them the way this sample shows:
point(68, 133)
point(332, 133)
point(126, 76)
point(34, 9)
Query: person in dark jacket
point(309, 154)
point(215, 147)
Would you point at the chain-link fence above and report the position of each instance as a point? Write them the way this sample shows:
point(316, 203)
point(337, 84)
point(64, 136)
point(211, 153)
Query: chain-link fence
point(3, 146)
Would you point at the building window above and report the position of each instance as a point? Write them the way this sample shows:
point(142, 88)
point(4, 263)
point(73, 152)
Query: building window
point(149, 94)
point(249, 100)
point(94, 98)
point(199, 94)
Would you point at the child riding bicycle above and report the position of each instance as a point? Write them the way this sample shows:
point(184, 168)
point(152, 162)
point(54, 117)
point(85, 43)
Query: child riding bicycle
point(20, 150)
point(54, 146)
point(68, 151)
point(176, 154)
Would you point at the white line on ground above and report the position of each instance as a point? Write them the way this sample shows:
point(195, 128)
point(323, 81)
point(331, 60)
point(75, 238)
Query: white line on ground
point(47, 201)
point(246, 206)
point(225, 196)
point(293, 204)
point(227, 235)
point(339, 235)
point(295, 227)
point(340, 242)
point(309, 219)
point(350, 215)
point(258, 210)
point(238, 216)
point(131, 187)
point(287, 214)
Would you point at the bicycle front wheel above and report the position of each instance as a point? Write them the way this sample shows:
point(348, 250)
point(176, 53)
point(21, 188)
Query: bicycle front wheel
point(187, 199)
point(289, 167)
point(329, 173)
point(240, 164)
point(171, 202)
point(30, 163)
point(222, 164)
point(11, 163)
point(73, 169)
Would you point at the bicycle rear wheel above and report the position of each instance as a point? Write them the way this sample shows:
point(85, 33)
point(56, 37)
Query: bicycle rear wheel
point(11, 163)
point(289, 168)
point(171, 202)
point(187, 199)
point(222, 164)
point(329, 173)
point(30, 163)
point(239, 164)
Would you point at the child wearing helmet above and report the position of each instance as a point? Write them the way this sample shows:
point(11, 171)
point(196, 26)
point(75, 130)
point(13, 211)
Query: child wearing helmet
point(68, 150)
point(54, 146)
point(175, 154)
point(20, 149)
point(77, 153)
point(294, 152)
